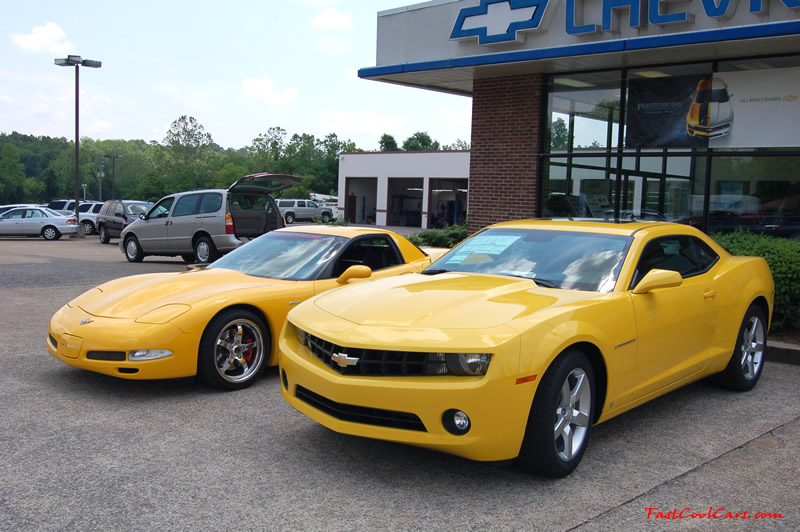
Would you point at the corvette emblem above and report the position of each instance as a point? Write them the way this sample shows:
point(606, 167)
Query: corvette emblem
point(84, 321)
point(343, 360)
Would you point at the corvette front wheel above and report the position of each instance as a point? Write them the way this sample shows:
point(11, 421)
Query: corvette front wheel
point(233, 349)
point(561, 417)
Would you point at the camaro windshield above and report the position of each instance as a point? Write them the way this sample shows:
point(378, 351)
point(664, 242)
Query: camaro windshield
point(556, 259)
point(290, 256)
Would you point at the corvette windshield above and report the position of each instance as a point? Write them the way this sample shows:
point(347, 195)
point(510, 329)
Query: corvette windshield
point(277, 255)
point(556, 259)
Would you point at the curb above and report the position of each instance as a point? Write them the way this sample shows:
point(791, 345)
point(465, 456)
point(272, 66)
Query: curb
point(783, 352)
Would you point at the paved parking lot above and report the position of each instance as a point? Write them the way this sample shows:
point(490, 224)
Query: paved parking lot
point(80, 451)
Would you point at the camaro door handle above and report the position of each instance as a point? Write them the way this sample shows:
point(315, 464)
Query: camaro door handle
point(708, 293)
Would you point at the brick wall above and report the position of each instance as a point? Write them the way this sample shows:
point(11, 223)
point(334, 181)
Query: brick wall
point(504, 167)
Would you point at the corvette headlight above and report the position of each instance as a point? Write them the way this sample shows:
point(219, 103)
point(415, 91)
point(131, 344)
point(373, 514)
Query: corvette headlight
point(462, 364)
point(149, 354)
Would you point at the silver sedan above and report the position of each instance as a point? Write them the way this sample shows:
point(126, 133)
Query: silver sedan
point(37, 221)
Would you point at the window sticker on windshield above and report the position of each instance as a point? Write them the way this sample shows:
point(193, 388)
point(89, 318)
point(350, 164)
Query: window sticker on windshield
point(487, 245)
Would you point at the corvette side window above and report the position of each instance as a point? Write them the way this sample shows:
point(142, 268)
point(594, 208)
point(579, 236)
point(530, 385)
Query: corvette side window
point(376, 252)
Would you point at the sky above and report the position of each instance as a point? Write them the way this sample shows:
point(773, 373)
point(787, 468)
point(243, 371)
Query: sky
point(238, 67)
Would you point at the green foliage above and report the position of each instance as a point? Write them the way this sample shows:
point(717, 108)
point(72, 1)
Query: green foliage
point(388, 143)
point(783, 257)
point(332, 221)
point(420, 141)
point(441, 238)
point(12, 175)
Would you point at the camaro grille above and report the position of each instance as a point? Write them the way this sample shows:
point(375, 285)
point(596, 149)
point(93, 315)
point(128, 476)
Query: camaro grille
point(361, 414)
point(370, 361)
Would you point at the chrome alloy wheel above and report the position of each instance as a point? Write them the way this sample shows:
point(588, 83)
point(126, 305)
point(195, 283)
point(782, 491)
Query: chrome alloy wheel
point(752, 352)
point(572, 414)
point(239, 350)
point(203, 251)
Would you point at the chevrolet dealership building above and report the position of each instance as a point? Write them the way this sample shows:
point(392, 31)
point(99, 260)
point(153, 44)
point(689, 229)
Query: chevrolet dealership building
point(683, 110)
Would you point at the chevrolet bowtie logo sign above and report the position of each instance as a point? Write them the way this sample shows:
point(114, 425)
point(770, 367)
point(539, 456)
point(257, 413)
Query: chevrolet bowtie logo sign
point(494, 21)
point(343, 360)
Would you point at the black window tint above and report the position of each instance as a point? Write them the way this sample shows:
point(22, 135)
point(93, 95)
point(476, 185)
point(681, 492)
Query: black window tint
point(211, 202)
point(376, 252)
point(686, 255)
point(286, 204)
point(186, 205)
point(301, 203)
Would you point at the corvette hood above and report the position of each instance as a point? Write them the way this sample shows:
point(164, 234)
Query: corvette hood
point(446, 301)
point(134, 296)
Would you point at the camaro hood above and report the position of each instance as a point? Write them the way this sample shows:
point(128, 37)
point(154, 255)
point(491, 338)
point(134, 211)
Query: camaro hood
point(135, 296)
point(446, 301)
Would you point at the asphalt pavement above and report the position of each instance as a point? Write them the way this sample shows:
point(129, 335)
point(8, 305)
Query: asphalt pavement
point(81, 451)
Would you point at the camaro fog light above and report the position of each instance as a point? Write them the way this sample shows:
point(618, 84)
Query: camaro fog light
point(456, 422)
point(149, 354)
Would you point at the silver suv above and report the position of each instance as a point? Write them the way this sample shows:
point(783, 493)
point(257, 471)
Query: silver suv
point(200, 225)
point(297, 209)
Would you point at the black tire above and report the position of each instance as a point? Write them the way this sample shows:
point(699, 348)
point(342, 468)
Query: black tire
point(233, 350)
point(205, 251)
point(50, 233)
point(326, 217)
point(747, 361)
point(556, 437)
point(104, 238)
point(188, 258)
point(289, 217)
point(88, 227)
point(133, 251)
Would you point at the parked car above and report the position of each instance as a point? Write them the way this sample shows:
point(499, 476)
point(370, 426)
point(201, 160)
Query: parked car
point(297, 209)
point(219, 322)
point(201, 225)
point(785, 225)
point(519, 340)
point(4, 208)
point(37, 221)
point(115, 215)
point(87, 214)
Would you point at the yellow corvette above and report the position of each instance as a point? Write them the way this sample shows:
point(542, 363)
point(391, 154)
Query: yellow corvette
point(218, 322)
point(516, 342)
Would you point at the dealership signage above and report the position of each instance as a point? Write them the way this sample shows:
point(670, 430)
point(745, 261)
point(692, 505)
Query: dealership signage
point(497, 21)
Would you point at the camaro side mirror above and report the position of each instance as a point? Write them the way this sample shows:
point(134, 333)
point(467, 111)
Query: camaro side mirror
point(354, 272)
point(658, 279)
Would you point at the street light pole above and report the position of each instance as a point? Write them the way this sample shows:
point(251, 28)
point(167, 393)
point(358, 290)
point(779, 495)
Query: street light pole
point(77, 61)
point(113, 172)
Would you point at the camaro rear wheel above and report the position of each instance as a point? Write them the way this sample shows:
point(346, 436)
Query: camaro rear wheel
point(233, 349)
point(133, 251)
point(561, 417)
point(747, 361)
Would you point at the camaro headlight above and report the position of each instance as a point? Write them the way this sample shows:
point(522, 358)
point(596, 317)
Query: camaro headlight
point(462, 364)
point(149, 354)
point(302, 337)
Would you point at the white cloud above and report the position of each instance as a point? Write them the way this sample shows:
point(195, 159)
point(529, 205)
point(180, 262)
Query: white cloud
point(48, 38)
point(332, 19)
point(265, 89)
point(320, 3)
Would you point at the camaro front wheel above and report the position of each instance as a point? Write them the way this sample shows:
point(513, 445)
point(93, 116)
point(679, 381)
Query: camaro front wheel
point(233, 349)
point(747, 361)
point(561, 417)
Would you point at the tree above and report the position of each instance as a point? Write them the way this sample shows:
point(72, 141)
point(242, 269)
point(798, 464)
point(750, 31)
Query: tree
point(420, 141)
point(268, 148)
point(186, 154)
point(458, 145)
point(12, 175)
point(388, 143)
point(559, 134)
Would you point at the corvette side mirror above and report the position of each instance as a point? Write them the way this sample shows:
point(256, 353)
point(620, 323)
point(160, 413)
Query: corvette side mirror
point(658, 279)
point(354, 272)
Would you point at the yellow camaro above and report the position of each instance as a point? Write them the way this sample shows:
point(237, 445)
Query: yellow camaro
point(218, 322)
point(517, 341)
